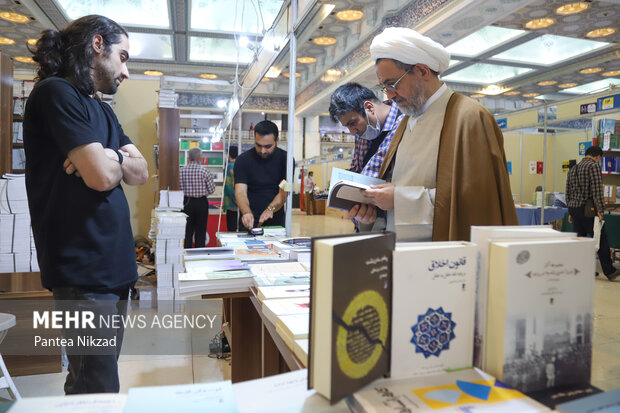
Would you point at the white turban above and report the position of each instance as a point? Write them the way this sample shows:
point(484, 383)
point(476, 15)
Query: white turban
point(409, 47)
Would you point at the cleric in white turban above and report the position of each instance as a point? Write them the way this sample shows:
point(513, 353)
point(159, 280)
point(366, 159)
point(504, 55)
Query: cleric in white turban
point(410, 47)
point(445, 167)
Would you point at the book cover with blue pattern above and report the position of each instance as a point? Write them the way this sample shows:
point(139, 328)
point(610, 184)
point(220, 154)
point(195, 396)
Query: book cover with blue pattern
point(433, 307)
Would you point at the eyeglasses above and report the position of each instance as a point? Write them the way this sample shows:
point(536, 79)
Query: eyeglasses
point(394, 86)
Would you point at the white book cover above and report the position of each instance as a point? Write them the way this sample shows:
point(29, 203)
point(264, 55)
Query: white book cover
point(270, 292)
point(293, 327)
point(432, 307)
point(216, 397)
point(539, 316)
point(81, 403)
point(277, 308)
point(469, 390)
point(482, 236)
point(282, 393)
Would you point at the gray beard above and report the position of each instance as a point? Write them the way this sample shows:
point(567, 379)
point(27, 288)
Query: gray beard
point(414, 105)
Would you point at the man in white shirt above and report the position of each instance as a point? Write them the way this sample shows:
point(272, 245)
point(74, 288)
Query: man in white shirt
point(446, 165)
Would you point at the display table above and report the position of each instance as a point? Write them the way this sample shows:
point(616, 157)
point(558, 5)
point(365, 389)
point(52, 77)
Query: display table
point(531, 216)
point(258, 351)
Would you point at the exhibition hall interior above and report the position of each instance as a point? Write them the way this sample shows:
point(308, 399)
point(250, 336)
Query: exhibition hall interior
point(205, 76)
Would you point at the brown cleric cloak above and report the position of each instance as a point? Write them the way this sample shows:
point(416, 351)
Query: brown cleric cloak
point(473, 187)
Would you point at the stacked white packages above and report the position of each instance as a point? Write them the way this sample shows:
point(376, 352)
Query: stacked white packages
point(167, 233)
point(17, 250)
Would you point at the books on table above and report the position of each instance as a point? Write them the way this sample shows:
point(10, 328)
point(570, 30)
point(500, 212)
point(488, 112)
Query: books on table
point(282, 393)
point(469, 390)
point(192, 284)
point(350, 318)
point(293, 327)
point(271, 292)
point(482, 236)
point(539, 315)
point(281, 273)
point(80, 403)
point(433, 299)
point(347, 189)
point(208, 253)
point(274, 309)
point(215, 397)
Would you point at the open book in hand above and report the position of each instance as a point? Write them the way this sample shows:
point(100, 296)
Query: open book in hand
point(347, 189)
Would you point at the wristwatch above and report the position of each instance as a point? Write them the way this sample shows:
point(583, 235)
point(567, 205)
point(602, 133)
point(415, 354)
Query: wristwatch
point(271, 208)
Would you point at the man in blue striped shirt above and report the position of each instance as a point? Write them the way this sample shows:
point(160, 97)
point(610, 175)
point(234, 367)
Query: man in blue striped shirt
point(357, 108)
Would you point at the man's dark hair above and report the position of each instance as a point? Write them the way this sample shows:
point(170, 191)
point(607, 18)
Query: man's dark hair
point(266, 127)
point(233, 151)
point(350, 97)
point(594, 151)
point(404, 66)
point(68, 53)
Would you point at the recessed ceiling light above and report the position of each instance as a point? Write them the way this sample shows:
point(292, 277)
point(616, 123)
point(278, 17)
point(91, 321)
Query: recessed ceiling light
point(273, 72)
point(565, 85)
point(539, 23)
point(306, 59)
point(349, 15)
point(32, 42)
point(209, 76)
point(531, 94)
point(289, 75)
point(611, 73)
point(492, 90)
point(512, 93)
point(477, 95)
point(265, 80)
point(333, 72)
point(153, 73)
point(572, 8)
point(606, 31)
point(533, 101)
point(324, 41)
point(24, 59)
point(589, 70)
point(14, 17)
point(547, 83)
point(6, 40)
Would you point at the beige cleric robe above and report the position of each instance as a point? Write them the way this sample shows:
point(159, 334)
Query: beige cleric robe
point(472, 184)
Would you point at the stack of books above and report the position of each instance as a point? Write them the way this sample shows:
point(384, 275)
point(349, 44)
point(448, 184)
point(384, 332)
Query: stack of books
point(168, 233)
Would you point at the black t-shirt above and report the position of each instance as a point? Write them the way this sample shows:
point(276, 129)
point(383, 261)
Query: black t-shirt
point(262, 176)
point(83, 237)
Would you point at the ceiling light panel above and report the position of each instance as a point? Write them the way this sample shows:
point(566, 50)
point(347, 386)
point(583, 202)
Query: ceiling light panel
point(483, 40)
point(142, 13)
point(234, 16)
point(548, 49)
point(482, 73)
point(349, 15)
point(606, 31)
point(572, 8)
point(209, 49)
point(150, 46)
point(593, 86)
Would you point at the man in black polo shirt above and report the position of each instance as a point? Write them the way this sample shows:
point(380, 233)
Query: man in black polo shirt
point(77, 154)
point(258, 173)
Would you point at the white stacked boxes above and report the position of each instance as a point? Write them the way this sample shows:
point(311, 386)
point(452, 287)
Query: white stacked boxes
point(17, 251)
